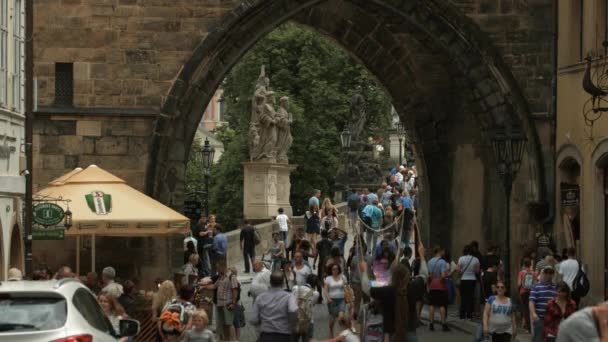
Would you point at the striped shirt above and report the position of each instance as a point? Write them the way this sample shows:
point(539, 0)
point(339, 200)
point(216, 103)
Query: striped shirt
point(541, 294)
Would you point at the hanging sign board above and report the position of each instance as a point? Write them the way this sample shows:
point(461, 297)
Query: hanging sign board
point(48, 214)
point(48, 234)
point(570, 194)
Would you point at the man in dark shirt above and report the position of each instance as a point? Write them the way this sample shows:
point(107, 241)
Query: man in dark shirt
point(323, 249)
point(204, 238)
point(248, 244)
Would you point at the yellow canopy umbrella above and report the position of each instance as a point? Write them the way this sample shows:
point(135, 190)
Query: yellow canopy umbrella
point(103, 204)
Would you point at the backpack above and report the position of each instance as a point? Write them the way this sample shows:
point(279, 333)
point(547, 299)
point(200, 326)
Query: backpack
point(174, 318)
point(257, 239)
point(527, 281)
point(304, 313)
point(580, 284)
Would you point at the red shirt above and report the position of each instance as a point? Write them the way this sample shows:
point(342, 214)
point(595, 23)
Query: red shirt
point(554, 316)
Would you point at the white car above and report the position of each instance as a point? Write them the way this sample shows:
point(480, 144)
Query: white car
point(55, 311)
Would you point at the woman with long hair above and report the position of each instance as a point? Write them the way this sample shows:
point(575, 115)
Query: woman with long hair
point(333, 291)
point(499, 316)
point(558, 309)
point(165, 294)
point(399, 319)
point(113, 311)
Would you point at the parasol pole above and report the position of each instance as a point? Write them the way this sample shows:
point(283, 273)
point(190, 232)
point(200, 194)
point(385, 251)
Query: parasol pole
point(93, 253)
point(78, 255)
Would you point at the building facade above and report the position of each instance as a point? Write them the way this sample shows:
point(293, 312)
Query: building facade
point(124, 84)
point(12, 161)
point(582, 140)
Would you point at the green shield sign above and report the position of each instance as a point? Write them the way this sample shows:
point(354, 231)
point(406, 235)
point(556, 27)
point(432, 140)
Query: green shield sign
point(48, 214)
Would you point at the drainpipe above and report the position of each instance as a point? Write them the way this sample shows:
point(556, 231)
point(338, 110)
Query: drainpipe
point(29, 132)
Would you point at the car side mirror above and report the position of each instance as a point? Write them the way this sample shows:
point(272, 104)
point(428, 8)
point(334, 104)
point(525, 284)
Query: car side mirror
point(129, 327)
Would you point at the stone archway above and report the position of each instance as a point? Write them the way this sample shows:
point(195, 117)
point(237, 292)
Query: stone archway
point(420, 51)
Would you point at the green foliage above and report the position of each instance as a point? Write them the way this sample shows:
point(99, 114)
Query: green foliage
point(319, 78)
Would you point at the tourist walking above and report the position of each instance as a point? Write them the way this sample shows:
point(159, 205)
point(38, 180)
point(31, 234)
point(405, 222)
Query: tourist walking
point(220, 247)
point(190, 270)
point(260, 281)
point(568, 269)
point(277, 251)
point(588, 324)
point(165, 294)
point(190, 249)
point(300, 269)
point(333, 292)
point(356, 255)
point(398, 317)
point(283, 221)
point(314, 200)
point(490, 264)
point(204, 238)
point(306, 298)
point(113, 311)
point(558, 309)
point(322, 254)
point(168, 328)
point(372, 218)
point(438, 291)
point(313, 223)
point(227, 288)
point(199, 331)
point(526, 278)
point(110, 286)
point(469, 269)
point(499, 316)
point(540, 295)
point(273, 311)
point(247, 244)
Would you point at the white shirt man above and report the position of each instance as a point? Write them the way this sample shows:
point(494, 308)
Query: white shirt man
point(569, 267)
point(261, 279)
point(283, 222)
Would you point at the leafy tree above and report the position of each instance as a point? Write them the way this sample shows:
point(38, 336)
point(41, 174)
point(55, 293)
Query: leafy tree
point(319, 78)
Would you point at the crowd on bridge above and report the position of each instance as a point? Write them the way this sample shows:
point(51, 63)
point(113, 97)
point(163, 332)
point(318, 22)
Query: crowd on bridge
point(370, 270)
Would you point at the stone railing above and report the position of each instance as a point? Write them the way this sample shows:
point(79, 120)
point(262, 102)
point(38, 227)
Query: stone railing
point(234, 255)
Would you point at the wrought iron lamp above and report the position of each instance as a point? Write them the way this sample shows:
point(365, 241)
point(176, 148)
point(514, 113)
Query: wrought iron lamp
point(207, 155)
point(508, 147)
point(68, 219)
point(345, 137)
point(596, 85)
point(400, 133)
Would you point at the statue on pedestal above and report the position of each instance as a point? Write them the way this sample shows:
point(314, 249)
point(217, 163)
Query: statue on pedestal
point(269, 129)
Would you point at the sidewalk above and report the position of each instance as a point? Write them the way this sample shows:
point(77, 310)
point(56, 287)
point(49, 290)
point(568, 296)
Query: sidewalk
point(469, 327)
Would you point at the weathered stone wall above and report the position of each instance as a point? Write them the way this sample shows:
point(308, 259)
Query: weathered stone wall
point(64, 142)
point(125, 52)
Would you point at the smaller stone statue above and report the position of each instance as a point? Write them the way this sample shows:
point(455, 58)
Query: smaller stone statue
point(284, 139)
point(358, 117)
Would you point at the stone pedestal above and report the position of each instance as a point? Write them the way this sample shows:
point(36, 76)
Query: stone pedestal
point(266, 189)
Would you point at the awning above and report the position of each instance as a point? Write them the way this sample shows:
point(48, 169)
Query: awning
point(104, 205)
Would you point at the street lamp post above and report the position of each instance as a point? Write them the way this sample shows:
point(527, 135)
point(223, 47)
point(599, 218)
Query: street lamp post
point(345, 140)
point(508, 147)
point(400, 137)
point(207, 154)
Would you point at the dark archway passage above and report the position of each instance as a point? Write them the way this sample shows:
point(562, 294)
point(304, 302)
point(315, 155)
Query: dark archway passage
point(447, 82)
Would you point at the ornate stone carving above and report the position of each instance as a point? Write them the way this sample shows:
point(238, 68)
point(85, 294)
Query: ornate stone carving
point(269, 129)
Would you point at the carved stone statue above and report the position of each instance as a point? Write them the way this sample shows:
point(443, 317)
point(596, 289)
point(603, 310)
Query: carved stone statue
point(284, 138)
point(358, 117)
point(263, 125)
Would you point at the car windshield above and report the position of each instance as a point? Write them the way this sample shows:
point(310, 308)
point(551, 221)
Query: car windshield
point(31, 311)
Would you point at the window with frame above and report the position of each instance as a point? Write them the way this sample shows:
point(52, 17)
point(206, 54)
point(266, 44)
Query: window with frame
point(90, 310)
point(64, 84)
point(3, 52)
point(17, 76)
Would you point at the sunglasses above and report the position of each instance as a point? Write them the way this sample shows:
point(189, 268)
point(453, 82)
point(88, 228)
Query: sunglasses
point(500, 287)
